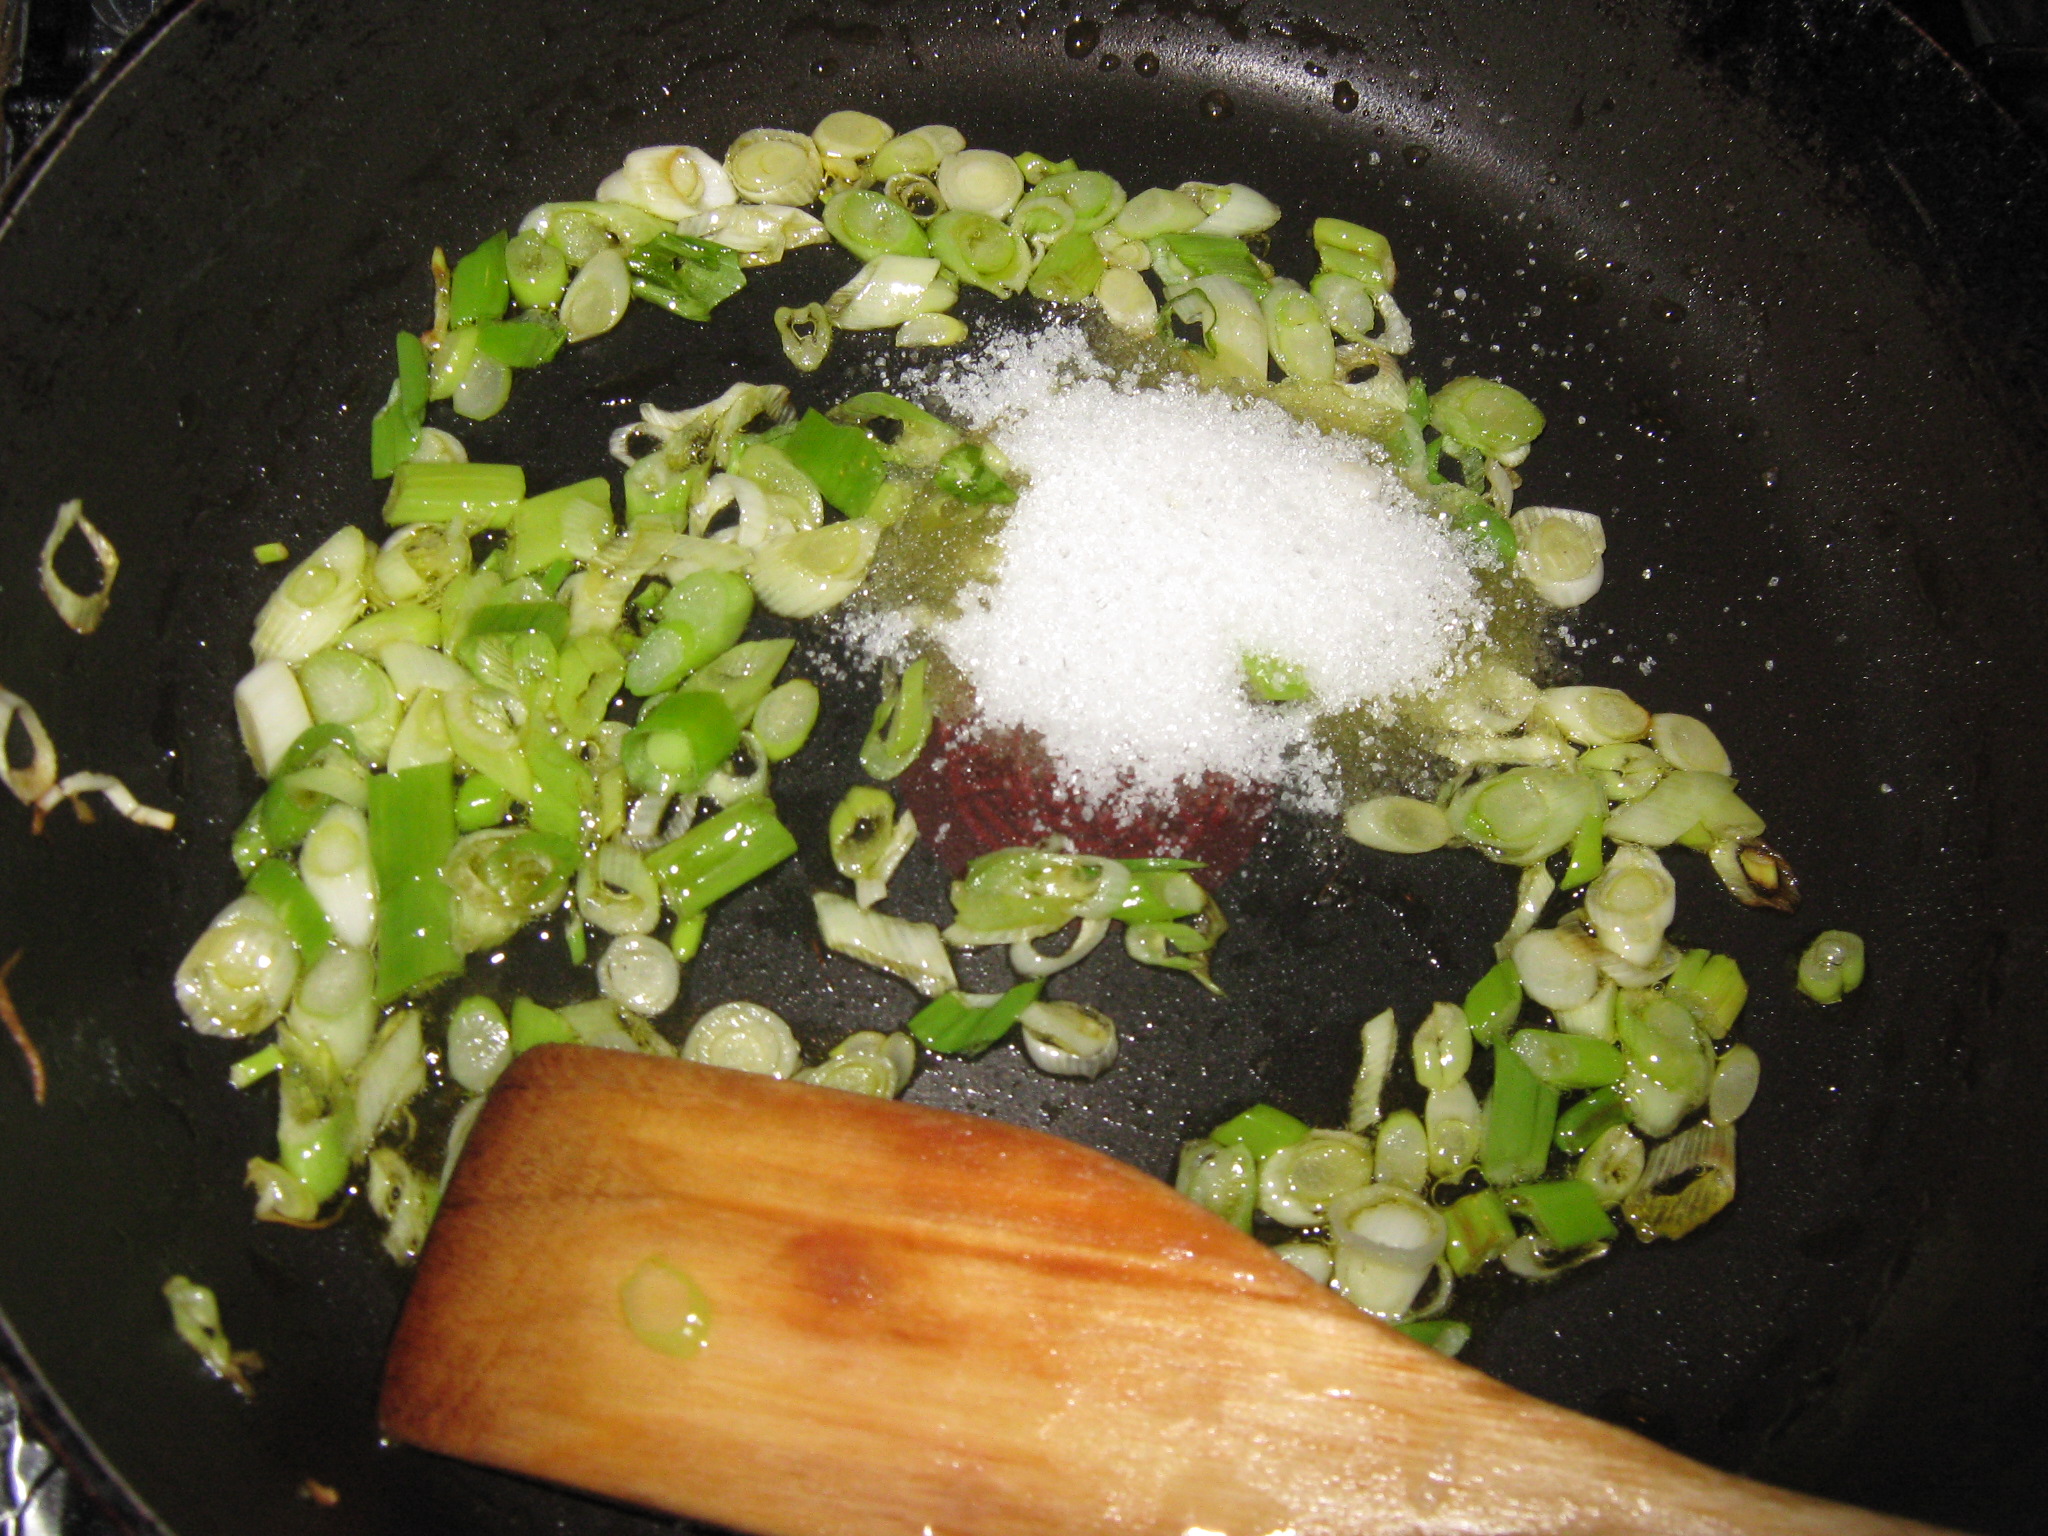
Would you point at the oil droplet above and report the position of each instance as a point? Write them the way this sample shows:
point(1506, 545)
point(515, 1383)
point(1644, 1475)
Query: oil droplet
point(665, 1308)
point(1673, 311)
point(1216, 106)
point(1107, 62)
point(1344, 96)
point(1146, 64)
point(1080, 39)
point(1315, 71)
point(825, 68)
point(1416, 154)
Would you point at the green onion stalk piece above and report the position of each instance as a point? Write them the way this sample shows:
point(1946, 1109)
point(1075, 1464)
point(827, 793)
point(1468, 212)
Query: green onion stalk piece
point(480, 802)
point(1356, 252)
point(785, 718)
point(964, 472)
point(563, 784)
point(534, 1025)
point(870, 224)
point(1711, 987)
point(504, 878)
point(1524, 815)
point(277, 883)
point(1221, 1179)
point(953, 1024)
point(1477, 1231)
point(1026, 893)
point(1261, 1130)
point(1485, 415)
point(1565, 1212)
point(1567, 1061)
point(395, 431)
point(679, 743)
point(981, 250)
point(742, 675)
point(526, 342)
point(1160, 896)
point(702, 618)
point(806, 335)
point(1494, 1003)
point(1044, 219)
point(1158, 211)
point(720, 854)
point(1588, 1119)
point(1095, 198)
point(869, 840)
point(686, 276)
point(1299, 333)
point(538, 272)
point(195, 1313)
point(1233, 326)
point(1521, 1118)
point(844, 462)
point(481, 495)
point(571, 522)
point(920, 439)
point(1069, 270)
point(1587, 846)
point(1275, 679)
point(1182, 257)
point(1445, 1335)
point(412, 830)
point(1441, 1047)
point(902, 725)
point(481, 286)
point(1832, 966)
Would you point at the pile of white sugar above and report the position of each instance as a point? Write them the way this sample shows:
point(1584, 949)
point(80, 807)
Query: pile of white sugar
point(1164, 533)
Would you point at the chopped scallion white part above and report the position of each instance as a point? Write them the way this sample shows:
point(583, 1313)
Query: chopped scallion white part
point(885, 292)
point(1388, 1241)
point(335, 1006)
point(866, 1062)
point(1298, 1182)
point(239, 974)
point(1127, 299)
point(334, 863)
point(931, 331)
point(1068, 1039)
point(775, 165)
point(847, 143)
point(803, 574)
point(762, 235)
point(29, 781)
point(1595, 717)
point(913, 951)
point(981, 181)
point(745, 1037)
point(479, 1043)
point(1450, 1116)
point(1688, 743)
point(1400, 1153)
point(324, 594)
point(1559, 553)
point(1233, 209)
point(1442, 1047)
point(1313, 1259)
point(1632, 903)
point(1707, 1152)
point(1026, 959)
point(1397, 824)
point(640, 972)
point(1613, 1165)
point(597, 296)
point(1555, 973)
point(81, 610)
point(1735, 1084)
point(390, 1077)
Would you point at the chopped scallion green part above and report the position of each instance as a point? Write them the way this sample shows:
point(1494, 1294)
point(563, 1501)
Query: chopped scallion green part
point(1179, 256)
point(719, 855)
point(1444, 1335)
point(271, 554)
point(481, 801)
point(1832, 966)
point(526, 342)
point(254, 1068)
point(1521, 1117)
point(481, 286)
point(1589, 1119)
point(1221, 1179)
point(686, 276)
point(844, 462)
point(279, 884)
point(481, 495)
point(1485, 415)
point(965, 472)
point(1587, 845)
point(679, 743)
point(1567, 1061)
point(412, 832)
point(1477, 1230)
point(951, 1024)
point(534, 1025)
point(1494, 1003)
point(1261, 1130)
point(1711, 987)
point(395, 431)
point(1355, 251)
point(1566, 1212)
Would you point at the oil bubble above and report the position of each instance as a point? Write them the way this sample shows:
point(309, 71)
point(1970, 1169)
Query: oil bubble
point(1080, 39)
point(1146, 64)
point(1216, 106)
point(1344, 96)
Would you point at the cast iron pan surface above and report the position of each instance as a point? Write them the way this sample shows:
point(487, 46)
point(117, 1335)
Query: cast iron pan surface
point(1772, 271)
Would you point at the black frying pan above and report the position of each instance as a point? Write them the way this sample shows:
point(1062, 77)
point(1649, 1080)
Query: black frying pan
point(1787, 266)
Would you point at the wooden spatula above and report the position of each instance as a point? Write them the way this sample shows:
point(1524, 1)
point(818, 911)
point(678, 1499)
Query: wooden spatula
point(795, 1311)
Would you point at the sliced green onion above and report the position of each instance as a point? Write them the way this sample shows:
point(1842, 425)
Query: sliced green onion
point(1560, 553)
point(1298, 1181)
point(322, 596)
point(1376, 1038)
point(1494, 1003)
point(1356, 252)
point(1712, 988)
point(869, 840)
point(1632, 903)
point(912, 951)
point(868, 1062)
point(1222, 1179)
point(238, 975)
point(1262, 1130)
point(679, 743)
point(1524, 815)
point(978, 249)
point(954, 1023)
point(1158, 211)
point(1832, 966)
point(719, 855)
point(902, 725)
point(1735, 1083)
point(685, 276)
point(481, 495)
point(412, 830)
point(395, 430)
point(1388, 1243)
point(1565, 1212)
point(479, 1043)
point(1567, 1061)
point(807, 573)
point(1182, 258)
point(1586, 1120)
point(597, 296)
point(1298, 333)
point(1612, 1167)
point(1400, 1151)
point(1595, 717)
point(743, 1037)
point(1068, 1039)
point(538, 272)
point(1397, 824)
point(1706, 1153)
point(981, 181)
point(742, 675)
point(870, 224)
point(481, 286)
point(1452, 1119)
point(640, 972)
point(533, 1025)
point(806, 335)
point(1688, 744)
point(1477, 1230)
point(775, 165)
point(1442, 1047)
point(195, 1313)
point(1521, 1118)
point(783, 722)
point(1127, 300)
point(844, 462)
